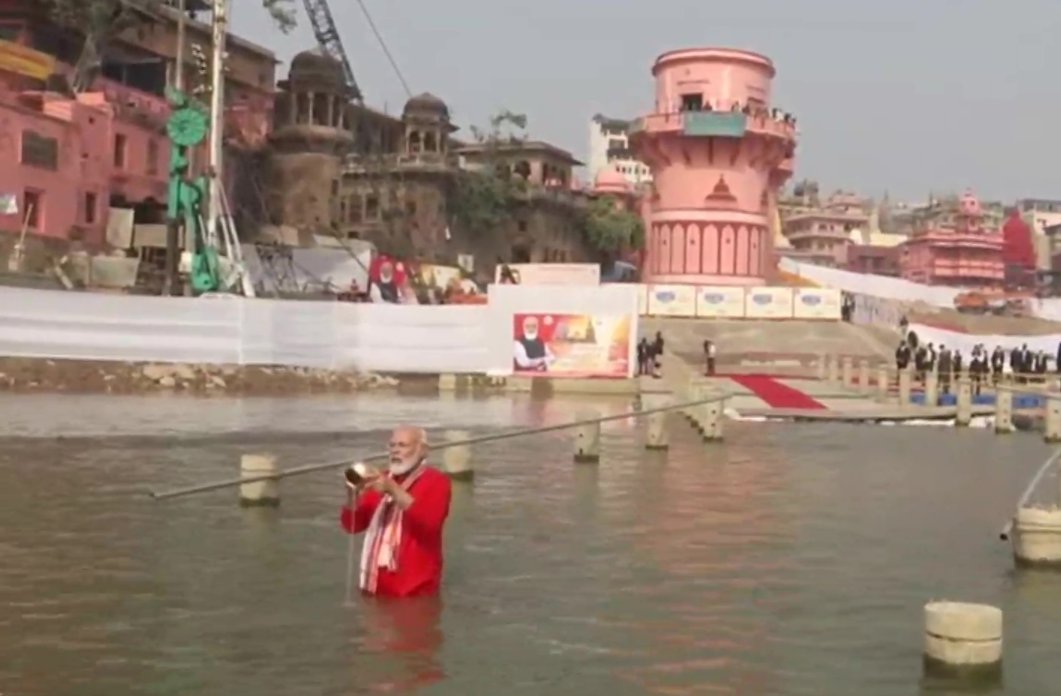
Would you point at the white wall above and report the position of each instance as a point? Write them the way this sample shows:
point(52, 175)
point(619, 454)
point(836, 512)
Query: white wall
point(426, 339)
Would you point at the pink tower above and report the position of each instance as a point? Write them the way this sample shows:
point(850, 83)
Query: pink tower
point(719, 153)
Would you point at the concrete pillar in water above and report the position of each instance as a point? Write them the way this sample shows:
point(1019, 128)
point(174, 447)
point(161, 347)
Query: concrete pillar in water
point(883, 375)
point(931, 389)
point(457, 461)
point(834, 369)
point(259, 493)
point(965, 402)
point(1003, 410)
point(962, 636)
point(1036, 537)
point(712, 420)
point(587, 441)
point(905, 380)
point(447, 382)
point(863, 376)
point(848, 372)
point(823, 370)
point(1052, 426)
point(656, 436)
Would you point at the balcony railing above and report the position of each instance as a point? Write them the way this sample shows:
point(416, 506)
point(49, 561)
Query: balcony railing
point(724, 124)
point(130, 102)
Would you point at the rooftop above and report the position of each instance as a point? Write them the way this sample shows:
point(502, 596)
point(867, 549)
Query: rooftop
point(526, 146)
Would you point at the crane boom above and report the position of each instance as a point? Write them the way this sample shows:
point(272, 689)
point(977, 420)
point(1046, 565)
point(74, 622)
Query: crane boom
point(320, 16)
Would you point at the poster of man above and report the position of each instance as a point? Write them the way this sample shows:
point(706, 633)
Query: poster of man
point(388, 281)
point(530, 351)
point(572, 345)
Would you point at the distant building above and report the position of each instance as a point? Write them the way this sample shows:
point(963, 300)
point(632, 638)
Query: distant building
point(344, 170)
point(823, 234)
point(966, 253)
point(69, 158)
point(609, 146)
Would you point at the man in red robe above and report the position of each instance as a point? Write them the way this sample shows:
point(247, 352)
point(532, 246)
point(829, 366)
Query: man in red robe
point(402, 512)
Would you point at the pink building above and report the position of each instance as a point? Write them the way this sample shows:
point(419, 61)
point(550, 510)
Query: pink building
point(967, 255)
point(68, 159)
point(719, 152)
point(825, 233)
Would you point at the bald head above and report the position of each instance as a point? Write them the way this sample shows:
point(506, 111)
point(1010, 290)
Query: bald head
point(407, 448)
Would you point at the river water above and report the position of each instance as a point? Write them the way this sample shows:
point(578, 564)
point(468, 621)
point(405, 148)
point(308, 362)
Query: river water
point(794, 559)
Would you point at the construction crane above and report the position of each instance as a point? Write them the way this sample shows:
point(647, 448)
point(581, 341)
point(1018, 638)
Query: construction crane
point(320, 16)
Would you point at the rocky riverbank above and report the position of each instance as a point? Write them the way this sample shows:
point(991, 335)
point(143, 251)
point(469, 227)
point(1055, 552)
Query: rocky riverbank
point(105, 377)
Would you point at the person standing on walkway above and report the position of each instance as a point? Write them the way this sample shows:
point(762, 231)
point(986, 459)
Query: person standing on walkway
point(657, 354)
point(709, 358)
point(402, 512)
point(945, 367)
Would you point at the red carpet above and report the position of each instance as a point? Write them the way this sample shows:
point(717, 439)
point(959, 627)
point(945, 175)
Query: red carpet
point(776, 394)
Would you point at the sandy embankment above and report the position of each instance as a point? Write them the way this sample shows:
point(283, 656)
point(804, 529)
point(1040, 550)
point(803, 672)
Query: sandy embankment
point(106, 377)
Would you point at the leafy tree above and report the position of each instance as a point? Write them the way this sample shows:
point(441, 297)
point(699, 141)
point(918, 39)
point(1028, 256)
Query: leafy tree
point(482, 200)
point(99, 21)
point(611, 228)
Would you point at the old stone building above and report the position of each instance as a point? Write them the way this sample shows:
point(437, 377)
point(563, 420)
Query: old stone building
point(343, 169)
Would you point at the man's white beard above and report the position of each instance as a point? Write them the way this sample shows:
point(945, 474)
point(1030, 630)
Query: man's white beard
point(402, 468)
point(530, 335)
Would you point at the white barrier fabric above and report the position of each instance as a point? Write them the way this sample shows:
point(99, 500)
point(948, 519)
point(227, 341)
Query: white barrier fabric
point(965, 342)
point(233, 330)
point(868, 284)
point(877, 311)
point(96, 326)
point(768, 303)
point(816, 303)
point(720, 302)
point(672, 300)
point(642, 300)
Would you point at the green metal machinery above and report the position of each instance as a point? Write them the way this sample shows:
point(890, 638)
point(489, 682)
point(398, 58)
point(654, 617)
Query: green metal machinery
point(187, 128)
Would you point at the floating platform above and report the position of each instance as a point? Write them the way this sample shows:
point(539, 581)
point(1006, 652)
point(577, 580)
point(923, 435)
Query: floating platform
point(869, 414)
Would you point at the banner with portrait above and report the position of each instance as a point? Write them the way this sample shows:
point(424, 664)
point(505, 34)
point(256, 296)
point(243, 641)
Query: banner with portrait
point(572, 345)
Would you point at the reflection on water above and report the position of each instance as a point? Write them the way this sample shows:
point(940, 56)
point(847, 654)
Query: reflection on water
point(795, 559)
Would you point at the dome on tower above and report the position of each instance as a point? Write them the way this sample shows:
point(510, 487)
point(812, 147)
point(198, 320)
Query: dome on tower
point(426, 106)
point(969, 204)
point(319, 68)
point(609, 180)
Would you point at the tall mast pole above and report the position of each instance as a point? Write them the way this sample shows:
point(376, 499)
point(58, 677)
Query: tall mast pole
point(173, 226)
point(178, 72)
point(217, 110)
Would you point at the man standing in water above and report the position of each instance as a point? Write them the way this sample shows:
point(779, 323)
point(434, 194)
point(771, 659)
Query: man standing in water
point(402, 512)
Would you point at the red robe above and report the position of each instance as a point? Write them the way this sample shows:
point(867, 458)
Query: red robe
point(420, 548)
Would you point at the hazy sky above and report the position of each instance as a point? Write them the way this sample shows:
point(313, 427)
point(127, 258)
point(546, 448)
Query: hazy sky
point(904, 96)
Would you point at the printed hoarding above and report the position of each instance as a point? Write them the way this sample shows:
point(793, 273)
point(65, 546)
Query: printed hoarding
point(672, 300)
point(816, 303)
point(768, 303)
point(572, 345)
point(720, 302)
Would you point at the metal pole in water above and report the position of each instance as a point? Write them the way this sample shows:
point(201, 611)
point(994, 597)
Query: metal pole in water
point(1004, 534)
point(381, 456)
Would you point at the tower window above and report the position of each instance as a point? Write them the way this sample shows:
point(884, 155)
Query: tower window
point(692, 102)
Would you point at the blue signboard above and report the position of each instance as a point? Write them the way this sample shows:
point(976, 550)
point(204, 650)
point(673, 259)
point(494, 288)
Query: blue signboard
point(722, 124)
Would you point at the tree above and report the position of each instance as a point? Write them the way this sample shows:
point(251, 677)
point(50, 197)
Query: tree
point(611, 228)
point(99, 21)
point(482, 200)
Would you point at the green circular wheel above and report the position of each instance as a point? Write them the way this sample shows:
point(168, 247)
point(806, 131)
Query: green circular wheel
point(187, 127)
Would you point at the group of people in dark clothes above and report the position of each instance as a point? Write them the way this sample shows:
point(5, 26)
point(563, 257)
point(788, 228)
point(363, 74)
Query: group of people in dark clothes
point(984, 367)
point(649, 354)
